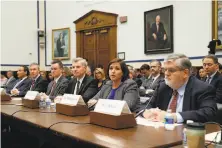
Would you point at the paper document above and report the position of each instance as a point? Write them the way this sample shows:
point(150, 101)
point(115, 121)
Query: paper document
point(145, 122)
point(17, 99)
point(212, 136)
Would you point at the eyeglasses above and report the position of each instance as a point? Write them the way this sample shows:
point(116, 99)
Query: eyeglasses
point(171, 70)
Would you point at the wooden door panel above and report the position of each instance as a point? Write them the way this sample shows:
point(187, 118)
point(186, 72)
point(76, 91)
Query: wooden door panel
point(89, 41)
point(89, 48)
point(103, 58)
point(103, 55)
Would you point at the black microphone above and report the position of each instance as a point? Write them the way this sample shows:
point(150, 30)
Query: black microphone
point(140, 112)
point(154, 94)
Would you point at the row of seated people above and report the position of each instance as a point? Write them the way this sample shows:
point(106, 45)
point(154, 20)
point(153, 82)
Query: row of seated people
point(192, 99)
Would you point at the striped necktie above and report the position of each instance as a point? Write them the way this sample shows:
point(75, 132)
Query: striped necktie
point(173, 104)
point(208, 80)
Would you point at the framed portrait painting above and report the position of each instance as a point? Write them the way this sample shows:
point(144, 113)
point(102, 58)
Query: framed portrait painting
point(61, 44)
point(158, 30)
point(217, 22)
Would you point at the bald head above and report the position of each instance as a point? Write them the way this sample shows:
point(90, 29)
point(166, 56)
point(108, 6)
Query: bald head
point(157, 19)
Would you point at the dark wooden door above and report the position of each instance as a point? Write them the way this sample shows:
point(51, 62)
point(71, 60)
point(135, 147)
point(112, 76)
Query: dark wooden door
point(96, 37)
point(96, 47)
point(89, 47)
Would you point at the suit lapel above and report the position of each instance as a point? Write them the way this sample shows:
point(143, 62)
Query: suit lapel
point(74, 85)
point(167, 96)
point(36, 82)
point(214, 78)
point(57, 84)
point(186, 98)
point(83, 84)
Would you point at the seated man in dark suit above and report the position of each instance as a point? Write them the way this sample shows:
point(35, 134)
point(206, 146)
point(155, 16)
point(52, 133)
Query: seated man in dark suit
point(187, 97)
point(149, 86)
point(23, 84)
point(10, 82)
point(159, 33)
point(211, 67)
point(82, 84)
point(38, 83)
point(60, 83)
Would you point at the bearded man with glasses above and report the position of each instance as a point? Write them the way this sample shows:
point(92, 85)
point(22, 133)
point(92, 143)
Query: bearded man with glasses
point(187, 97)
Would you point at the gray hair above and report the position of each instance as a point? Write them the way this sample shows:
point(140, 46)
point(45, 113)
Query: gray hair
point(182, 61)
point(81, 60)
point(34, 64)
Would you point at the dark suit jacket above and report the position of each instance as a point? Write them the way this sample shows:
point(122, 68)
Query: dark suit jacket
point(23, 87)
point(198, 103)
point(153, 86)
point(217, 83)
point(10, 84)
point(88, 88)
point(59, 89)
point(161, 31)
point(40, 85)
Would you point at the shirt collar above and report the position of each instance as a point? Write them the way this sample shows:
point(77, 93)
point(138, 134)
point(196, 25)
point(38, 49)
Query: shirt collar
point(154, 78)
point(181, 90)
point(24, 78)
point(212, 75)
point(36, 77)
point(56, 80)
point(81, 79)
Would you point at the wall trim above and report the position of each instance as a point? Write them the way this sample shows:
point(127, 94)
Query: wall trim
point(191, 58)
point(38, 32)
point(45, 33)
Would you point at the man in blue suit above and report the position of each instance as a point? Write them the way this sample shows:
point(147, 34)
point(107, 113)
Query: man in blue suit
point(23, 84)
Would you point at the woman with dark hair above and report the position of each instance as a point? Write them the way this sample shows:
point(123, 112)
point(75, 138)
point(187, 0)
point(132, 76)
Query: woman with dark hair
point(119, 87)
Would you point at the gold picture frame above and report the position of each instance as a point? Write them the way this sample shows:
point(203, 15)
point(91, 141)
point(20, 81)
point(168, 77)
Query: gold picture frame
point(61, 44)
point(217, 17)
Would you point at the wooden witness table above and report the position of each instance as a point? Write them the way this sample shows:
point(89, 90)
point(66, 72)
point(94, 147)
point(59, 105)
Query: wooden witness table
point(35, 122)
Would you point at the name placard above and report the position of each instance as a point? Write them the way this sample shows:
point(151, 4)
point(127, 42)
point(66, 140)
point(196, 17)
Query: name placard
point(112, 107)
point(31, 95)
point(2, 91)
point(73, 100)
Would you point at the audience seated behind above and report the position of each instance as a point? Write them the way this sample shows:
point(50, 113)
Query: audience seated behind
point(195, 99)
point(99, 76)
point(149, 85)
point(120, 87)
point(211, 67)
point(10, 82)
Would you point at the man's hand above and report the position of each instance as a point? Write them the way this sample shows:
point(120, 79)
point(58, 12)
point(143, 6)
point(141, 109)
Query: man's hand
point(58, 99)
point(151, 114)
point(15, 92)
point(164, 37)
point(160, 116)
point(154, 36)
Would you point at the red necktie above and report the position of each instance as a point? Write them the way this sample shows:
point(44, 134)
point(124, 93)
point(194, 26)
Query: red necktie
point(173, 104)
point(33, 83)
point(53, 87)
